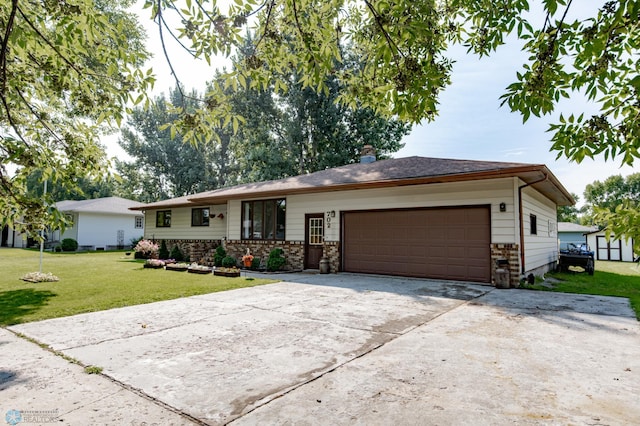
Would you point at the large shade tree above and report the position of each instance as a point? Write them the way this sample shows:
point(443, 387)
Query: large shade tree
point(67, 70)
point(613, 204)
point(163, 165)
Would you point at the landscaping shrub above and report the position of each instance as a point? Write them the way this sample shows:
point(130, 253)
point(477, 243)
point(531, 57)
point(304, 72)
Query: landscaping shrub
point(229, 262)
point(69, 244)
point(135, 241)
point(255, 263)
point(276, 260)
point(176, 254)
point(146, 249)
point(163, 253)
point(219, 255)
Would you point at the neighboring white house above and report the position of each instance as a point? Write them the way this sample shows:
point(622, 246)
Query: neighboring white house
point(101, 223)
point(12, 238)
point(415, 216)
point(620, 250)
point(573, 233)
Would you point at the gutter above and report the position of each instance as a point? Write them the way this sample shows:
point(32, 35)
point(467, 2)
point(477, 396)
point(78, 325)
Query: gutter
point(520, 213)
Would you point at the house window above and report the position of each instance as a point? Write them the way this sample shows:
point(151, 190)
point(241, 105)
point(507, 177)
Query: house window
point(533, 221)
point(263, 219)
point(163, 219)
point(200, 217)
point(139, 222)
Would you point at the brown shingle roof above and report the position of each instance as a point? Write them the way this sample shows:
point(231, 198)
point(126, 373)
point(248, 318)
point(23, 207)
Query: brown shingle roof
point(392, 172)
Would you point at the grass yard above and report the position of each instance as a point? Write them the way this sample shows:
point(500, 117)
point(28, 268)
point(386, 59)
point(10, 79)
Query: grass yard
point(610, 279)
point(93, 282)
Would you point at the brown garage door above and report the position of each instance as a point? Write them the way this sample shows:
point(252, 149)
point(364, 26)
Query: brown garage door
point(447, 243)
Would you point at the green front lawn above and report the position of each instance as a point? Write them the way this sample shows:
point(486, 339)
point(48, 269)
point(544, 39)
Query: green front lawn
point(93, 282)
point(610, 279)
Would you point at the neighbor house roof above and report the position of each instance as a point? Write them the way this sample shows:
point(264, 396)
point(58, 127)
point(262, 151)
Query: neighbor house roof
point(574, 227)
point(383, 173)
point(110, 205)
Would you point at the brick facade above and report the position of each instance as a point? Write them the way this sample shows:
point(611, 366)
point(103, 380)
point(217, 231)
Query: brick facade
point(201, 251)
point(332, 252)
point(509, 254)
point(197, 250)
point(293, 251)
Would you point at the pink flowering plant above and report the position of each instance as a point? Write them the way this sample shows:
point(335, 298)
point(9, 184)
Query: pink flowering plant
point(147, 249)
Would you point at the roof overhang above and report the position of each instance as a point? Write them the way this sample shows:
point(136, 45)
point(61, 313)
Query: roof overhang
point(545, 182)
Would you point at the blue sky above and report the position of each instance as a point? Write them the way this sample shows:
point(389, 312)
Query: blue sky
point(471, 124)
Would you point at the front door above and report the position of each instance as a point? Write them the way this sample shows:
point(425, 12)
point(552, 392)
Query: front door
point(314, 240)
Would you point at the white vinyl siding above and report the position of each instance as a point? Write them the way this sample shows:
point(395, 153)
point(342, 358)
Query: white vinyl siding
point(483, 192)
point(181, 225)
point(100, 230)
point(540, 249)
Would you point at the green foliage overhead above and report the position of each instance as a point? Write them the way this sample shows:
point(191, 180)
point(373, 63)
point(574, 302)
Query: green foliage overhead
point(402, 47)
point(67, 70)
point(163, 165)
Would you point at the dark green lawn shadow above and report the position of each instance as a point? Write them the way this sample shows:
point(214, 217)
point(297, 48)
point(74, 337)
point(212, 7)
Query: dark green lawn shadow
point(15, 304)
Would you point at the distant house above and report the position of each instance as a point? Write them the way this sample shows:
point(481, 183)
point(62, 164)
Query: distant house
point(573, 233)
point(101, 223)
point(415, 216)
point(12, 238)
point(620, 250)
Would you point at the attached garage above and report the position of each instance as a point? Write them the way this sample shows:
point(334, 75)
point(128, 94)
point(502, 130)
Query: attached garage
point(452, 243)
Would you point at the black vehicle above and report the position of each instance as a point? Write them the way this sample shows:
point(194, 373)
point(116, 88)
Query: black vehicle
point(576, 255)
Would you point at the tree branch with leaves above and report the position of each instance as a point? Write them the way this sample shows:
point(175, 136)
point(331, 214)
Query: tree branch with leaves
point(67, 71)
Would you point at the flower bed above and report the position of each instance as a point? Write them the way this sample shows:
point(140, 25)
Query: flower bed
point(227, 272)
point(154, 263)
point(199, 269)
point(180, 267)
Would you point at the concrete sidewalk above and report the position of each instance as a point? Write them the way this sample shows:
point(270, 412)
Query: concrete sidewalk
point(338, 349)
point(39, 387)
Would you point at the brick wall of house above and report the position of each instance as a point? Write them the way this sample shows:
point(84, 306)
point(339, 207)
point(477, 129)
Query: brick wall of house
point(332, 252)
point(293, 251)
point(509, 253)
point(197, 250)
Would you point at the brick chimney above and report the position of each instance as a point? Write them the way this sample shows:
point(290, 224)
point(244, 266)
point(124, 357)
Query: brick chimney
point(368, 154)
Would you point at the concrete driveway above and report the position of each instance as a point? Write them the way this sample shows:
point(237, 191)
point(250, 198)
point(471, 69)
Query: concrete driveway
point(352, 349)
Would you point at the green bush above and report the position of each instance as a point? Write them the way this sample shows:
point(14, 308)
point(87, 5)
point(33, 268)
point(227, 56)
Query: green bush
point(135, 241)
point(176, 254)
point(69, 244)
point(219, 255)
point(229, 262)
point(163, 253)
point(276, 260)
point(255, 263)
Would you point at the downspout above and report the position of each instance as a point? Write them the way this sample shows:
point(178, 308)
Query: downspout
point(520, 213)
